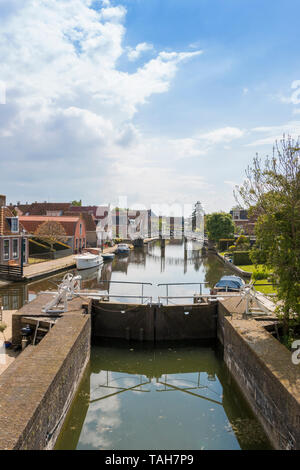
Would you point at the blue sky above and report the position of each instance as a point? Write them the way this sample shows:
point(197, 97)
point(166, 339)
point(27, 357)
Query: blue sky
point(162, 101)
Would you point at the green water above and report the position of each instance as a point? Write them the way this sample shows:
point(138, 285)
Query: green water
point(170, 397)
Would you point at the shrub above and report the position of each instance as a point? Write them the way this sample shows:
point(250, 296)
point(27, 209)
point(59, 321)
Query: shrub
point(243, 241)
point(224, 243)
point(241, 258)
point(258, 275)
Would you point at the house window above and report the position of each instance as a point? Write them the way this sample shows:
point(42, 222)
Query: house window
point(13, 223)
point(236, 215)
point(6, 250)
point(15, 248)
point(80, 229)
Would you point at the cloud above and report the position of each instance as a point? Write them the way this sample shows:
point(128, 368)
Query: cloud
point(69, 108)
point(134, 54)
point(272, 133)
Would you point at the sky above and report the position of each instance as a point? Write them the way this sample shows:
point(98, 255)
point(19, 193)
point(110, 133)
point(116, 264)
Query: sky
point(156, 101)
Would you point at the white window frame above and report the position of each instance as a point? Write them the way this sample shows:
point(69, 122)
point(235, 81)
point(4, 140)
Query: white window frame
point(18, 248)
point(4, 257)
point(11, 224)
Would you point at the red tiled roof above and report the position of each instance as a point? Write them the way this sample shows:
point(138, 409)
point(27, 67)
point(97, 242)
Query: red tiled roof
point(4, 225)
point(90, 225)
point(41, 208)
point(31, 223)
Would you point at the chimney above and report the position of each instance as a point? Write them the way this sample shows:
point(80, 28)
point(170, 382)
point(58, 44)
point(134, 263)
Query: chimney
point(2, 200)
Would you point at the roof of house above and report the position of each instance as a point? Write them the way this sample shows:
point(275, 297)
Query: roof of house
point(41, 208)
point(5, 229)
point(31, 223)
point(90, 225)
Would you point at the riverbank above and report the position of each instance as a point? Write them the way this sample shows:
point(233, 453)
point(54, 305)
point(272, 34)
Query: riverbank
point(235, 268)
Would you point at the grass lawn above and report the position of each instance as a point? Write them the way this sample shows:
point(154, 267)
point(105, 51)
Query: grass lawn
point(259, 267)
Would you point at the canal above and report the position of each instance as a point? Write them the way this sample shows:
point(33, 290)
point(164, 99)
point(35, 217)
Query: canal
point(167, 396)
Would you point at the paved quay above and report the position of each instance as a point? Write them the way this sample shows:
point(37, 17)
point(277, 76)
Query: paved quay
point(38, 270)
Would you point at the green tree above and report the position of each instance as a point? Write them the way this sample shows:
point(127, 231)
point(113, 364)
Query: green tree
point(272, 191)
point(76, 203)
point(219, 225)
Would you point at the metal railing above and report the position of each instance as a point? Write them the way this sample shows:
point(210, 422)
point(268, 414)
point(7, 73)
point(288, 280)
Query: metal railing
point(132, 282)
point(200, 284)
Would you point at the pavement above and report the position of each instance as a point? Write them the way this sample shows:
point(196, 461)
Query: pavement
point(48, 267)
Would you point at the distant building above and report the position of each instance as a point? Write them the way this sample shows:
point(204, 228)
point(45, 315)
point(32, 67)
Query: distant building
point(242, 221)
point(13, 243)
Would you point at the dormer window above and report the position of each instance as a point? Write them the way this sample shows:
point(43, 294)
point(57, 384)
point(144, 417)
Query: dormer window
point(13, 223)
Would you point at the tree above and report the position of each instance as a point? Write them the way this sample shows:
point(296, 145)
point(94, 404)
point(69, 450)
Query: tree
point(76, 203)
point(219, 225)
point(272, 192)
point(51, 232)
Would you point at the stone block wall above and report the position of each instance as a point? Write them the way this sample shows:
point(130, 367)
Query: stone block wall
point(264, 371)
point(36, 391)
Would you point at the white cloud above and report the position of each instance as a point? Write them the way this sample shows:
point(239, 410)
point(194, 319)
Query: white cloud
point(134, 54)
point(68, 104)
point(222, 135)
point(273, 133)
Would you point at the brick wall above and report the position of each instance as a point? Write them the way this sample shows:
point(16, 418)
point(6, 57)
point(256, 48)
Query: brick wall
point(268, 379)
point(37, 389)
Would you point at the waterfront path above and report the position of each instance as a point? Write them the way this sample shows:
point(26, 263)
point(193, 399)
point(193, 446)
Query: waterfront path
point(38, 270)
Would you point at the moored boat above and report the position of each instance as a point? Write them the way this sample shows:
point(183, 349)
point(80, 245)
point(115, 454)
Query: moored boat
point(228, 284)
point(88, 260)
point(108, 256)
point(123, 248)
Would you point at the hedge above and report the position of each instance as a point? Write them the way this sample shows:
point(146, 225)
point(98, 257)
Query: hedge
point(224, 243)
point(241, 258)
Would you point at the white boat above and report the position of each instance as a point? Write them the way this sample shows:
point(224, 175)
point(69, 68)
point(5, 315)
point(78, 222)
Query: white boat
point(88, 260)
point(123, 248)
point(108, 256)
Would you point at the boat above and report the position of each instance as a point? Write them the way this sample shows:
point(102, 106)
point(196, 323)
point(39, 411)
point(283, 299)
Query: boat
point(88, 260)
point(122, 248)
point(108, 256)
point(228, 284)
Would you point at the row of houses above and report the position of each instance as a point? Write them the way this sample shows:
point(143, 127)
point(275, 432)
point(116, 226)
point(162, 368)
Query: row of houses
point(82, 226)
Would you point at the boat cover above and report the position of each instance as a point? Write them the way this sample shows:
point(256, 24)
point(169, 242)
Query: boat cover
point(231, 282)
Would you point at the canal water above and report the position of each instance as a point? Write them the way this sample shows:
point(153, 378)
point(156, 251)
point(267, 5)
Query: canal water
point(171, 396)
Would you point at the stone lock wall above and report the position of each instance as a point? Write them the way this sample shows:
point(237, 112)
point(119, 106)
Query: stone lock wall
point(264, 371)
point(37, 389)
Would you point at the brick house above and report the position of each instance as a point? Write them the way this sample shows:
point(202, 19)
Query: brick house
point(13, 242)
point(241, 220)
point(74, 227)
point(58, 209)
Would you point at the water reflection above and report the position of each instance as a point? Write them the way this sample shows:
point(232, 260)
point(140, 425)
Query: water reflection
point(163, 398)
point(172, 261)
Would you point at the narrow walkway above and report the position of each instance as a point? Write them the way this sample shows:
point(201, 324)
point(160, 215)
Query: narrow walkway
point(48, 267)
